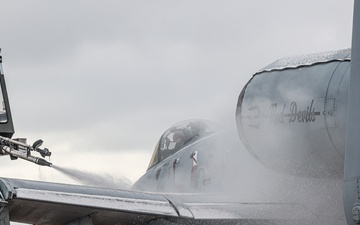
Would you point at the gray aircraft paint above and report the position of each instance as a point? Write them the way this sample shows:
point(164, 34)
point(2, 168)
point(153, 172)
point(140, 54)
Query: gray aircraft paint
point(352, 156)
point(291, 115)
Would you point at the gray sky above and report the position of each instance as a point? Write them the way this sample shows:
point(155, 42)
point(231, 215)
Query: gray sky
point(100, 81)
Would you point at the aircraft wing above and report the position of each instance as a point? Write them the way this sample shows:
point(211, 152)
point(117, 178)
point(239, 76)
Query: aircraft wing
point(41, 203)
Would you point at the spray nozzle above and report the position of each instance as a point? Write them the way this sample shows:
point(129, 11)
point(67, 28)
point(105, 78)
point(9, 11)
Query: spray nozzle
point(17, 148)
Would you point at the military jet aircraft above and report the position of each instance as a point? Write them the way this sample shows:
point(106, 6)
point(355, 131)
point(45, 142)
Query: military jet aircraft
point(297, 117)
point(191, 178)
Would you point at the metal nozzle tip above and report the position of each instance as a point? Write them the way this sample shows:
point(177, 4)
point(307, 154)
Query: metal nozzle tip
point(43, 162)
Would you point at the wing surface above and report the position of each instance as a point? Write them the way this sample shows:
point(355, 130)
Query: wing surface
point(43, 203)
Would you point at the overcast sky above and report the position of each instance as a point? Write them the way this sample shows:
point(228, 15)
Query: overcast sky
point(100, 81)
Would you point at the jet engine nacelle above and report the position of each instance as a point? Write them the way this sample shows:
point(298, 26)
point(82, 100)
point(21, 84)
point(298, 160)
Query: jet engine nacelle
point(291, 115)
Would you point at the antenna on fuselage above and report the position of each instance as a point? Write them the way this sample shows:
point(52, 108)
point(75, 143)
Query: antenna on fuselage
point(351, 191)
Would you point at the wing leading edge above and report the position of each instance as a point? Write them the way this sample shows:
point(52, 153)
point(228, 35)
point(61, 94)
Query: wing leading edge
point(42, 203)
point(51, 203)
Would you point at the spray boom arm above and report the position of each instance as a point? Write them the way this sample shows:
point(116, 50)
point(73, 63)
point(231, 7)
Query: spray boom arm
point(17, 148)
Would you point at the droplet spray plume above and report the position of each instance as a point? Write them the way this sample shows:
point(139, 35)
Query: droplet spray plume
point(93, 179)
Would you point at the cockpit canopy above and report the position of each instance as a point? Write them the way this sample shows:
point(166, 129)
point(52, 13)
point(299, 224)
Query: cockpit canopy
point(179, 136)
